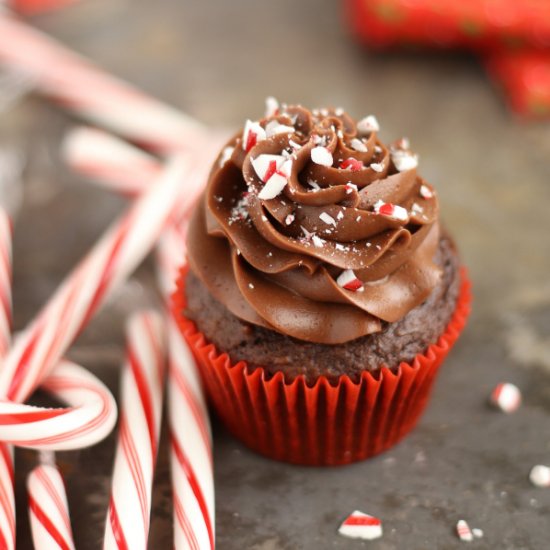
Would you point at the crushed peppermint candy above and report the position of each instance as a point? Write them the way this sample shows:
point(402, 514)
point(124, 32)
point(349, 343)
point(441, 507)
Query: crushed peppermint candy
point(313, 184)
point(274, 171)
point(267, 165)
point(351, 164)
point(271, 106)
point(338, 111)
point(464, 532)
point(340, 247)
point(540, 476)
point(426, 192)
point(289, 219)
point(358, 145)
point(368, 124)
point(361, 526)
point(478, 533)
point(404, 160)
point(391, 211)
point(274, 127)
point(506, 397)
point(350, 187)
point(317, 241)
point(348, 280)
point(377, 166)
point(322, 156)
point(327, 218)
point(296, 146)
point(240, 211)
point(253, 133)
point(250, 286)
point(226, 155)
point(340, 215)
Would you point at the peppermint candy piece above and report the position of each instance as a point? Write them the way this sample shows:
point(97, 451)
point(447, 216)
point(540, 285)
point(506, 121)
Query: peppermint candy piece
point(350, 187)
point(253, 133)
point(404, 160)
point(426, 192)
point(368, 124)
point(276, 179)
point(506, 397)
point(391, 211)
point(361, 526)
point(464, 532)
point(226, 155)
point(271, 106)
point(358, 145)
point(377, 166)
point(266, 165)
point(273, 128)
point(327, 218)
point(321, 155)
point(351, 164)
point(540, 476)
point(348, 280)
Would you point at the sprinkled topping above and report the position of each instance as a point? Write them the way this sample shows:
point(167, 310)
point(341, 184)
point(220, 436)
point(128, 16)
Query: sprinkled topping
point(464, 532)
point(377, 166)
point(271, 106)
point(317, 241)
point(321, 155)
point(226, 155)
point(540, 476)
point(361, 526)
point(358, 145)
point(251, 286)
point(252, 134)
point(404, 160)
point(348, 280)
point(351, 164)
point(478, 533)
point(327, 218)
point(391, 211)
point(368, 124)
point(274, 171)
point(313, 184)
point(506, 397)
point(266, 165)
point(340, 215)
point(350, 187)
point(426, 192)
point(273, 128)
point(289, 219)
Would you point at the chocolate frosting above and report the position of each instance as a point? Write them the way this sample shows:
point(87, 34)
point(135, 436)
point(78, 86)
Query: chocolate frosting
point(308, 227)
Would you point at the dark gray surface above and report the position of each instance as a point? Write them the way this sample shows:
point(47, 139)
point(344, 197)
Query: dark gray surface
point(218, 62)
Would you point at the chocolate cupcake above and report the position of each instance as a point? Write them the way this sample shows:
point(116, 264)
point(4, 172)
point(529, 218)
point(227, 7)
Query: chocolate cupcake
point(322, 293)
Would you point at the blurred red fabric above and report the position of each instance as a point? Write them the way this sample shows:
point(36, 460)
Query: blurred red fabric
point(511, 36)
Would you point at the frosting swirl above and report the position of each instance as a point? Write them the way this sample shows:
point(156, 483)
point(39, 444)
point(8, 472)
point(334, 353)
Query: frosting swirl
point(312, 227)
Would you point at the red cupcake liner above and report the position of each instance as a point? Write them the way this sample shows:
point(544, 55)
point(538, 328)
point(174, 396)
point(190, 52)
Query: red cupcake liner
point(323, 424)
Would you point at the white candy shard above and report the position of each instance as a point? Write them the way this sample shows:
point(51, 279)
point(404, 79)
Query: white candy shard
point(253, 133)
point(540, 476)
point(368, 124)
point(348, 280)
point(506, 397)
point(391, 211)
point(289, 219)
point(464, 532)
point(426, 192)
point(377, 166)
point(361, 526)
point(271, 106)
point(226, 155)
point(273, 128)
point(321, 155)
point(327, 218)
point(358, 145)
point(317, 241)
point(266, 165)
point(404, 160)
point(478, 533)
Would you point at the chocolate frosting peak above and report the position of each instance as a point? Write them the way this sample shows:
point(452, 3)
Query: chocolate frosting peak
point(312, 227)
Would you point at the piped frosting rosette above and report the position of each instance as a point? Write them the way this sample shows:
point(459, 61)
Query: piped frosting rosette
point(310, 226)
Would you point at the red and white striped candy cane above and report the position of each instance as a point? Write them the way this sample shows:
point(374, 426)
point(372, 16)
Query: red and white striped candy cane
point(49, 510)
point(111, 260)
point(127, 526)
point(7, 499)
point(79, 86)
point(190, 450)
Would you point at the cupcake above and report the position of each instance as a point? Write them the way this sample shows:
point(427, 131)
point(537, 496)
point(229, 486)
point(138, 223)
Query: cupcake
point(321, 293)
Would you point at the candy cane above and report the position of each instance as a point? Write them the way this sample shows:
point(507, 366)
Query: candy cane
point(190, 450)
point(7, 498)
point(77, 85)
point(110, 261)
point(127, 525)
point(49, 510)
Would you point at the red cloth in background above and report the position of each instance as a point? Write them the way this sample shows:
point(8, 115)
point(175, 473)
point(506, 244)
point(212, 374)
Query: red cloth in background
point(512, 36)
point(33, 7)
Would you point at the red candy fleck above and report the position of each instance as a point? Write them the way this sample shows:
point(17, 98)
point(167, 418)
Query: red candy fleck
point(251, 140)
point(271, 169)
point(352, 164)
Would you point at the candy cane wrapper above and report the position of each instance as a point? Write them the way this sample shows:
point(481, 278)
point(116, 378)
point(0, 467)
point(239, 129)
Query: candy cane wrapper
point(321, 425)
point(473, 24)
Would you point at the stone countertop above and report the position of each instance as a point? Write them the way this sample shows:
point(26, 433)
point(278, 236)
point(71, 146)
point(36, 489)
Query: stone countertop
point(218, 63)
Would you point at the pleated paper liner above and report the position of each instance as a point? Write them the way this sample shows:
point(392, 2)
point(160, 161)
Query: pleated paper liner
point(323, 424)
